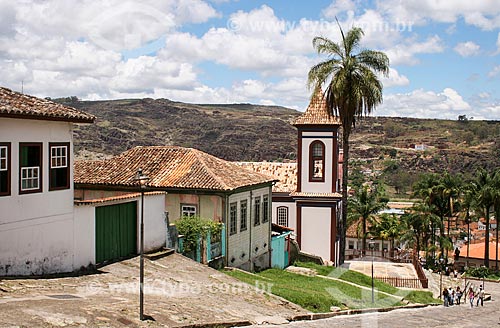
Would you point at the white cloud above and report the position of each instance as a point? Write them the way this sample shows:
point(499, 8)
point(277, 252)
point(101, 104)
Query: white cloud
point(484, 14)
point(495, 71)
point(498, 45)
point(467, 49)
point(404, 52)
point(337, 7)
point(394, 79)
point(420, 103)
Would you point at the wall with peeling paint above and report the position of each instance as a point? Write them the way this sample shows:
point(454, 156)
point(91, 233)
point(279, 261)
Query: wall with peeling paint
point(249, 249)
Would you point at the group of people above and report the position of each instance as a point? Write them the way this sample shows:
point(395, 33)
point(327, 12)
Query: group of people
point(454, 296)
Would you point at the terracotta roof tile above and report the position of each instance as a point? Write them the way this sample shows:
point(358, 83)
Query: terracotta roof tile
point(477, 250)
point(17, 105)
point(115, 198)
point(168, 167)
point(286, 173)
point(317, 112)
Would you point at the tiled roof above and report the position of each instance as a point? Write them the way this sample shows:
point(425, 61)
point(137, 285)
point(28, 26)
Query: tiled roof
point(115, 198)
point(317, 112)
point(477, 250)
point(286, 173)
point(18, 105)
point(316, 194)
point(354, 230)
point(168, 167)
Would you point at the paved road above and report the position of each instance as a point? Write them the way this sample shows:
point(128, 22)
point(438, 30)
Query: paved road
point(437, 316)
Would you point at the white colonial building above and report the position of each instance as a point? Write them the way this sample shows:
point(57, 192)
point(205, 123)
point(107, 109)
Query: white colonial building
point(197, 184)
point(37, 225)
point(307, 197)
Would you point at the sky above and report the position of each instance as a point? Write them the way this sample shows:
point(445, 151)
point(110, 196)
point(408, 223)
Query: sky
point(444, 55)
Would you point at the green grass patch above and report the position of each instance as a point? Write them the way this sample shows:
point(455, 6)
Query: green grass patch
point(349, 275)
point(419, 296)
point(314, 293)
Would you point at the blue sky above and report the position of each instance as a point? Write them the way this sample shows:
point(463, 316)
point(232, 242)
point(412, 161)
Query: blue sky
point(445, 55)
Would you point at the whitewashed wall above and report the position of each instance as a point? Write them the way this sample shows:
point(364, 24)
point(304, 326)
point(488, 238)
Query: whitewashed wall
point(292, 213)
point(242, 250)
point(316, 231)
point(36, 230)
point(154, 227)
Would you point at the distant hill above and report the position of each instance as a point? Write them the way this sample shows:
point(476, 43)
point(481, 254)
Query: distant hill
point(244, 132)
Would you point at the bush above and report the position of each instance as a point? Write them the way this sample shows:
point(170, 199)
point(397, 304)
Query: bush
point(480, 272)
point(194, 227)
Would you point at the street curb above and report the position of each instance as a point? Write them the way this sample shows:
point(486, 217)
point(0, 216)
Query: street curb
point(218, 325)
point(317, 316)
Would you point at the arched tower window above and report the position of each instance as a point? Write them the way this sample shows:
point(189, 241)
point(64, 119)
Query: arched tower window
point(317, 161)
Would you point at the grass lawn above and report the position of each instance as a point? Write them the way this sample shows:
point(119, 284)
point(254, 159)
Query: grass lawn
point(313, 293)
point(349, 275)
point(415, 296)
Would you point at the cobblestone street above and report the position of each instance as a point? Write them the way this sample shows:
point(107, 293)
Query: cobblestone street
point(435, 316)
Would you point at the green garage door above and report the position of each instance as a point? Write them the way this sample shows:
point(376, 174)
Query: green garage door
point(115, 231)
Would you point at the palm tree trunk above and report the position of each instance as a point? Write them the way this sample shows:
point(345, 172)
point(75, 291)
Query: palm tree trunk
point(487, 240)
point(345, 175)
point(364, 237)
point(497, 216)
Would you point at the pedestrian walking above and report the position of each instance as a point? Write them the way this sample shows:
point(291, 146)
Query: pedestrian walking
point(458, 294)
point(450, 296)
point(445, 297)
point(480, 296)
point(471, 297)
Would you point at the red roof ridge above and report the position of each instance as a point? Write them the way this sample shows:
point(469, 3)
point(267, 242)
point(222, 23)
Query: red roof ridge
point(200, 156)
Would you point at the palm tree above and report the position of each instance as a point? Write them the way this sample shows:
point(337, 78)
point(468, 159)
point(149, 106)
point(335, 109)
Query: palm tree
point(353, 90)
point(365, 203)
point(387, 226)
point(467, 203)
point(496, 206)
point(417, 222)
point(484, 190)
point(432, 192)
point(451, 188)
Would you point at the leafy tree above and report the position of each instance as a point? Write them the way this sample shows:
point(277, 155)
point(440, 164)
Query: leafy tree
point(353, 90)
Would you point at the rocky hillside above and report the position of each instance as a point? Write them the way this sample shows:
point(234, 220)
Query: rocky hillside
point(243, 132)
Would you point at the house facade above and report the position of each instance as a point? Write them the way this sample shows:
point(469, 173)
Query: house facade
point(307, 197)
point(196, 184)
point(36, 190)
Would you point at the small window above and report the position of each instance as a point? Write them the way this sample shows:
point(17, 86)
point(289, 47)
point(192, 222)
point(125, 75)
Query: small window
point(265, 209)
point(243, 215)
point(188, 210)
point(233, 218)
point(282, 216)
point(317, 161)
point(30, 160)
point(256, 211)
point(59, 166)
point(4, 169)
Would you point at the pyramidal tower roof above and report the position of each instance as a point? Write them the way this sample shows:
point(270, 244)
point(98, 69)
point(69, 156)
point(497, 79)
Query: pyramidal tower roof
point(317, 112)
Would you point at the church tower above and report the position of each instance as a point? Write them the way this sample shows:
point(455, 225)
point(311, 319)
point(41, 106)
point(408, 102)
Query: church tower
point(317, 196)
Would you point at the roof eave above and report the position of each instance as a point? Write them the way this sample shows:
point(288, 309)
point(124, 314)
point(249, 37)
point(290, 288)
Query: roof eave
point(48, 118)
